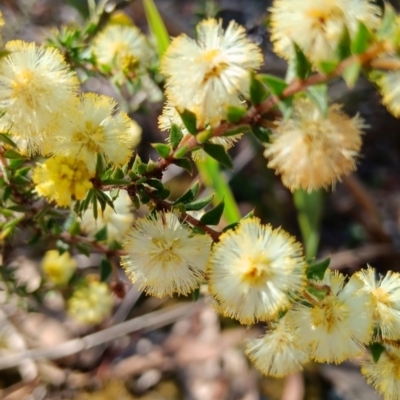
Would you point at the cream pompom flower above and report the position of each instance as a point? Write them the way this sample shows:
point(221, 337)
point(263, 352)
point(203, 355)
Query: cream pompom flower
point(210, 74)
point(35, 86)
point(170, 115)
point(277, 352)
point(255, 271)
point(317, 26)
point(61, 179)
point(164, 256)
point(384, 375)
point(385, 294)
point(122, 47)
point(58, 268)
point(336, 327)
point(117, 221)
point(90, 303)
point(311, 151)
point(97, 128)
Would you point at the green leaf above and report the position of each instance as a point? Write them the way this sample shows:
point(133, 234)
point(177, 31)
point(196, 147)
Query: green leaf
point(190, 195)
point(376, 349)
point(104, 200)
point(286, 107)
point(203, 136)
point(115, 182)
point(218, 152)
point(237, 130)
point(319, 294)
point(83, 248)
point(351, 73)
point(361, 39)
point(105, 269)
point(94, 205)
point(275, 84)
point(343, 49)
point(144, 197)
point(4, 53)
point(157, 27)
point(388, 23)
point(319, 95)
point(327, 67)
point(316, 271)
point(118, 173)
point(262, 134)
point(16, 163)
point(7, 193)
point(189, 120)
point(175, 136)
point(12, 154)
point(181, 152)
point(301, 63)
point(162, 149)
point(85, 203)
point(230, 226)
point(7, 140)
point(234, 114)
point(155, 183)
point(213, 216)
point(196, 294)
point(258, 92)
point(184, 163)
point(101, 235)
point(75, 228)
point(199, 204)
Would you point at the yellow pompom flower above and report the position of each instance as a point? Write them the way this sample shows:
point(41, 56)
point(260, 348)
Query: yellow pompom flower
point(384, 375)
point(317, 26)
point(164, 256)
point(311, 151)
point(277, 352)
point(336, 327)
point(385, 294)
point(36, 85)
point(122, 47)
point(210, 74)
point(255, 271)
point(58, 268)
point(61, 179)
point(170, 115)
point(97, 128)
point(118, 221)
point(90, 303)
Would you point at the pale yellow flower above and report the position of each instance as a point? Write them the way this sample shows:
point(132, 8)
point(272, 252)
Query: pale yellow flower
point(336, 327)
point(61, 178)
point(118, 221)
point(310, 151)
point(384, 375)
point(317, 26)
point(277, 352)
point(164, 256)
point(58, 268)
point(35, 86)
point(170, 115)
point(255, 271)
point(97, 128)
point(90, 303)
point(210, 74)
point(385, 293)
point(389, 85)
point(122, 47)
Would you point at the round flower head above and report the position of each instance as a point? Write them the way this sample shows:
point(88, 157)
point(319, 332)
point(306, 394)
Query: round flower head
point(335, 327)
point(310, 151)
point(170, 115)
point(254, 270)
point(384, 375)
point(277, 353)
point(122, 47)
point(317, 26)
point(61, 178)
point(164, 256)
point(385, 294)
point(207, 75)
point(90, 303)
point(389, 85)
point(35, 85)
point(118, 221)
point(58, 268)
point(98, 129)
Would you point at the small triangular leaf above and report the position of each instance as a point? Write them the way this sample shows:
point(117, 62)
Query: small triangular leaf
point(190, 195)
point(258, 92)
point(343, 49)
point(213, 216)
point(162, 149)
point(360, 42)
point(105, 269)
point(218, 152)
point(199, 204)
point(275, 84)
point(175, 136)
point(301, 63)
point(234, 114)
point(316, 271)
point(319, 95)
point(184, 163)
point(261, 133)
point(351, 73)
point(189, 120)
point(376, 349)
point(101, 235)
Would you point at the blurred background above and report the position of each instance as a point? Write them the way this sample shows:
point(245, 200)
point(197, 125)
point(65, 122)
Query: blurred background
point(191, 353)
